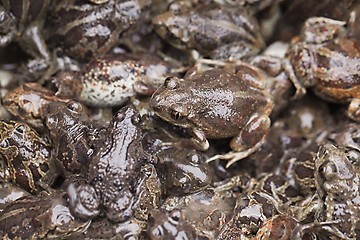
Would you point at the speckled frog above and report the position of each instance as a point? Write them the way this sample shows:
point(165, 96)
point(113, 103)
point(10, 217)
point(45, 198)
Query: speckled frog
point(214, 30)
point(217, 104)
point(113, 172)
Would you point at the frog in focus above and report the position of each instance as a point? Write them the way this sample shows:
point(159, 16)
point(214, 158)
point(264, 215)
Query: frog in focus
point(218, 104)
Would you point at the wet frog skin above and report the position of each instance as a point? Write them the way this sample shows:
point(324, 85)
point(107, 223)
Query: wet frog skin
point(337, 180)
point(112, 79)
point(217, 104)
point(39, 217)
point(85, 30)
point(72, 135)
point(327, 61)
point(29, 102)
point(26, 155)
point(114, 170)
point(216, 31)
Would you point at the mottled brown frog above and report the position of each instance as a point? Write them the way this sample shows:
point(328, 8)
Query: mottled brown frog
point(26, 155)
point(40, 217)
point(84, 29)
point(73, 136)
point(218, 104)
point(216, 31)
point(114, 171)
point(110, 80)
point(326, 60)
point(29, 101)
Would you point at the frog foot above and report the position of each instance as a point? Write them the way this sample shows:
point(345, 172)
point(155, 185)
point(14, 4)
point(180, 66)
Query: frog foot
point(353, 111)
point(234, 156)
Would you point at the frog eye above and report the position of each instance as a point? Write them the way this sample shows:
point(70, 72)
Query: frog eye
point(136, 119)
point(51, 122)
point(171, 82)
point(74, 106)
point(178, 112)
point(327, 171)
point(175, 115)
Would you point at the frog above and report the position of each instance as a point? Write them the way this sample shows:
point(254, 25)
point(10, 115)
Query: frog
point(216, 31)
point(169, 225)
point(84, 29)
point(73, 135)
point(277, 227)
point(110, 80)
point(23, 22)
point(26, 156)
point(181, 170)
point(40, 217)
point(114, 171)
point(336, 200)
point(213, 209)
point(28, 102)
point(218, 104)
point(324, 58)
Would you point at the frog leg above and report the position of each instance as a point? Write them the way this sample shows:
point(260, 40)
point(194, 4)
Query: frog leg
point(353, 110)
point(198, 140)
point(247, 141)
point(289, 70)
point(7, 27)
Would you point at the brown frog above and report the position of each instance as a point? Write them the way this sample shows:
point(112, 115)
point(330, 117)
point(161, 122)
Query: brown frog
point(337, 202)
point(73, 136)
point(326, 60)
point(110, 80)
point(22, 21)
point(216, 31)
point(84, 29)
point(181, 170)
point(218, 104)
point(29, 101)
point(40, 217)
point(26, 155)
point(114, 171)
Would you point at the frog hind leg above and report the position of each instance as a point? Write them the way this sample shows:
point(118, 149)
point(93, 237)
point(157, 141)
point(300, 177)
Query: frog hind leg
point(247, 141)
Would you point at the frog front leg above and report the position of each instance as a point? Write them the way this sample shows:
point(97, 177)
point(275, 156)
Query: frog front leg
point(250, 138)
point(43, 63)
point(198, 140)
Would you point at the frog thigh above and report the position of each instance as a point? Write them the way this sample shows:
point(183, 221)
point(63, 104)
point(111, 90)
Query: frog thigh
point(254, 131)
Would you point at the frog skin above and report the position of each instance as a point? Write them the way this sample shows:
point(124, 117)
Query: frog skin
point(73, 135)
point(181, 170)
point(216, 31)
point(83, 29)
point(40, 217)
point(111, 80)
point(29, 101)
point(217, 104)
point(26, 156)
point(114, 171)
point(326, 60)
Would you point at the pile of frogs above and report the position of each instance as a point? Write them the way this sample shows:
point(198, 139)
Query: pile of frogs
point(198, 119)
